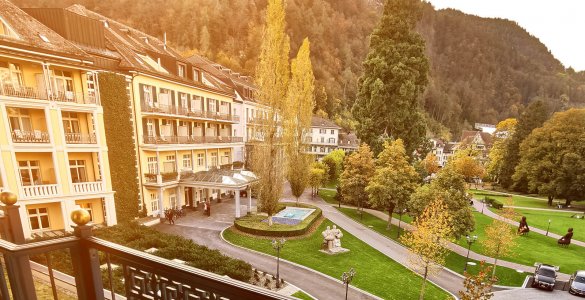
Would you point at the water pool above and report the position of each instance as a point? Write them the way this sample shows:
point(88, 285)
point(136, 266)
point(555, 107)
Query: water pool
point(292, 215)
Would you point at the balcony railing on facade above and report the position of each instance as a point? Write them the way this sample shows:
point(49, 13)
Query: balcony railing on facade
point(35, 136)
point(80, 138)
point(40, 94)
point(163, 140)
point(89, 187)
point(143, 276)
point(40, 191)
point(184, 111)
point(162, 177)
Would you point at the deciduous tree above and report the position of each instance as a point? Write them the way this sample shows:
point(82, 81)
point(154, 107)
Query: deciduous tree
point(359, 169)
point(502, 136)
point(395, 75)
point(428, 242)
point(466, 163)
point(315, 179)
point(552, 158)
point(478, 286)
point(500, 237)
point(394, 181)
point(430, 164)
point(334, 160)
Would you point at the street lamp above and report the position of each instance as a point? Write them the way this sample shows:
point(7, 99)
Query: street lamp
point(470, 241)
point(277, 245)
point(347, 277)
point(548, 227)
point(400, 221)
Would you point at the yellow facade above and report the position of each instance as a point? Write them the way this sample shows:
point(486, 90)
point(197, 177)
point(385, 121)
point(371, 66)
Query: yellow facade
point(172, 143)
point(53, 149)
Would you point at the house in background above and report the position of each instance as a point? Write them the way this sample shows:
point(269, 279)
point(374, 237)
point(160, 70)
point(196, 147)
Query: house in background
point(324, 137)
point(477, 140)
point(53, 145)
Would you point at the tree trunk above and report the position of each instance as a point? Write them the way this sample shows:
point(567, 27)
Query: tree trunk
point(567, 202)
point(390, 211)
point(270, 221)
point(550, 200)
point(422, 288)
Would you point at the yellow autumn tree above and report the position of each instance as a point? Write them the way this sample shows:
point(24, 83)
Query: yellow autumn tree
point(431, 164)
point(500, 237)
point(272, 78)
point(297, 119)
point(428, 242)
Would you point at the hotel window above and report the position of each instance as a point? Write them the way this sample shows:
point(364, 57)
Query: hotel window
point(11, 75)
point(225, 158)
point(152, 165)
point(169, 164)
point(331, 141)
point(150, 127)
point(148, 92)
point(70, 122)
point(200, 159)
point(78, 171)
point(63, 84)
point(196, 103)
point(195, 75)
point(153, 202)
point(332, 131)
point(322, 140)
point(91, 92)
point(39, 218)
point(181, 70)
point(187, 161)
point(213, 159)
point(173, 200)
point(184, 99)
point(19, 119)
point(30, 172)
point(87, 206)
point(211, 104)
point(324, 131)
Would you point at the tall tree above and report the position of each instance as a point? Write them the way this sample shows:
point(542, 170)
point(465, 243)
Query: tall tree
point(394, 181)
point(272, 77)
point(466, 163)
point(552, 158)
point(428, 243)
point(359, 169)
point(334, 160)
point(315, 179)
point(500, 237)
point(533, 117)
point(297, 119)
point(502, 136)
point(449, 186)
point(395, 75)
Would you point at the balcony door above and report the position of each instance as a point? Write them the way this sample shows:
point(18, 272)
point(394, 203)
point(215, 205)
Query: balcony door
point(62, 85)
point(11, 76)
point(70, 122)
point(78, 171)
point(30, 172)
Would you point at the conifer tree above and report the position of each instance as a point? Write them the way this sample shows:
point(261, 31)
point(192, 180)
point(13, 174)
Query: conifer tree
point(395, 75)
point(297, 119)
point(272, 76)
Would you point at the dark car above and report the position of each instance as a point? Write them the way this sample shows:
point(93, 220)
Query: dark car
point(545, 276)
point(577, 283)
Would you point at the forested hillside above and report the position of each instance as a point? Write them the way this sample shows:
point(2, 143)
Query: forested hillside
point(482, 70)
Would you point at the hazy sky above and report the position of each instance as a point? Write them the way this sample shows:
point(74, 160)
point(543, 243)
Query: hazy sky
point(559, 24)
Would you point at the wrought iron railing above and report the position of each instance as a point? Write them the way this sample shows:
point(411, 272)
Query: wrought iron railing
point(80, 138)
point(100, 269)
point(159, 140)
point(35, 136)
point(23, 92)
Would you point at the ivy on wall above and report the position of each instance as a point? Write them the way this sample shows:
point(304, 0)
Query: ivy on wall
point(121, 145)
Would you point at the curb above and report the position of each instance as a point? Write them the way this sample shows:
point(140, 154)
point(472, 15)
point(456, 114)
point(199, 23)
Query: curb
point(297, 265)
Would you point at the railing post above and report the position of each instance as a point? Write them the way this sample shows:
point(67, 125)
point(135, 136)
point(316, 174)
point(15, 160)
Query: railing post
point(86, 262)
point(17, 266)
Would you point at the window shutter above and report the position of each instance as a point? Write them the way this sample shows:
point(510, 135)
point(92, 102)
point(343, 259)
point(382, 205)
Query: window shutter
point(141, 92)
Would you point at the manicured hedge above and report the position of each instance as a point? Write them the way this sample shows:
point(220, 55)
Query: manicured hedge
point(253, 224)
point(493, 203)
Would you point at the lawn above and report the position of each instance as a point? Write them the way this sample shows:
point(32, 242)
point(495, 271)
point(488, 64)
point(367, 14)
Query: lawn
point(373, 269)
point(331, 184)
point(560, 221)
point(532, 248)
point(328, 196)
point(454, 261)
point(302, 296)
point(524, 201)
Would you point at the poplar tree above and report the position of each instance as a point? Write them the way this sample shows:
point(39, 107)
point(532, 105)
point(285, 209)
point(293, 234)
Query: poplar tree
point(297, 119)
point(395, 75)
point(272, 76)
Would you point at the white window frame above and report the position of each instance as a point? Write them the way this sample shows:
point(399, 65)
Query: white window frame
point(29, 169)
point(152, 164)
point(200, 159)
point(70, 122)
point(78, 167)
point(39, 216)
point(154, 202)
point(187, 161)
point(181, 70)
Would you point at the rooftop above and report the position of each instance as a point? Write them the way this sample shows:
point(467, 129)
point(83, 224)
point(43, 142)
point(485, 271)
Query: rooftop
point(323, 123)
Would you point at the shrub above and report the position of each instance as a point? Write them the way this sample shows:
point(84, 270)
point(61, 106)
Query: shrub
point(254, 224)
point(497, 204)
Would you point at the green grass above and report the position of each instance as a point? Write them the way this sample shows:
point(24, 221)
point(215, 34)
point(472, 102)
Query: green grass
point(560, 221)
point(524, 201)
point(454, 261)
point(331, 184)
point(374, 270)
point(328, 196)
point(532, 248)
point(301, 295)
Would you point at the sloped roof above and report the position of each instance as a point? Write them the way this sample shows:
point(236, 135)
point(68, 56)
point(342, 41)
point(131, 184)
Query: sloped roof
point(467, 137)
point(348, 140)
point(221, 178)
point(323, 123)
point(30, 33)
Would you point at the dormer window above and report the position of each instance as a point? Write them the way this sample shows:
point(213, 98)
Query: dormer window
point(43, 37)
point(195, 75)
point(106, 24)
point(181, 70)
point(5, 30)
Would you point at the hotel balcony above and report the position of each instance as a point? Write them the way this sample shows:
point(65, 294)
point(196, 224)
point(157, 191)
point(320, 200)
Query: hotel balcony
point(72, 97)
point(88, 187)
point(80, 138)
point(162, 108)
point(36, 136)
point(158, 140)
point(28, 92)
point(28, 125)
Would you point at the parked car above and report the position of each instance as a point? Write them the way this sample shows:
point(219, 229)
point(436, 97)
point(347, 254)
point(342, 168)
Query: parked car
point(577, 283)
point(545, 276)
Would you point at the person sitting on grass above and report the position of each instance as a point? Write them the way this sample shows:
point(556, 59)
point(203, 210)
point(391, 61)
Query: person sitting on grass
point(566, 240)
point(523, 228)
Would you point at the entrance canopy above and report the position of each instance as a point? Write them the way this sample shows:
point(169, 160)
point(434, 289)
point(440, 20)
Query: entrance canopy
point(220, 179)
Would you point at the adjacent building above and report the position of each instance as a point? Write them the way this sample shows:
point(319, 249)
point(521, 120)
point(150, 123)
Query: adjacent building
point(326, 136)
point(53, 151)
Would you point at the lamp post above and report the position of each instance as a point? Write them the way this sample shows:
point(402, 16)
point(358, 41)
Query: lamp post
point(400, 221)
point(277, 245)
point(470, 241)
point(547, 228)
point(347, 277)
point(483, 204)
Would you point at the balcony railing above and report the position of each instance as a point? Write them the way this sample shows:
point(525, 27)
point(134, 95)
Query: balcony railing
point(88, 187)
point(158, 140)
point(184, 111)
point(44, 190)
point(72, 97)
point(80, 138)
point(23, 92)
point(142, 275)
point(158, 108)
point(35, 136)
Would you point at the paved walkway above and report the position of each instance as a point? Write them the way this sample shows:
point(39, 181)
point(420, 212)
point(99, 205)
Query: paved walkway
point(477, 204)
point(547, 209)
point(206, 231)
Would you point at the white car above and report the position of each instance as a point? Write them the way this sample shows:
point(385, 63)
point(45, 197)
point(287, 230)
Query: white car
point(577, 283)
